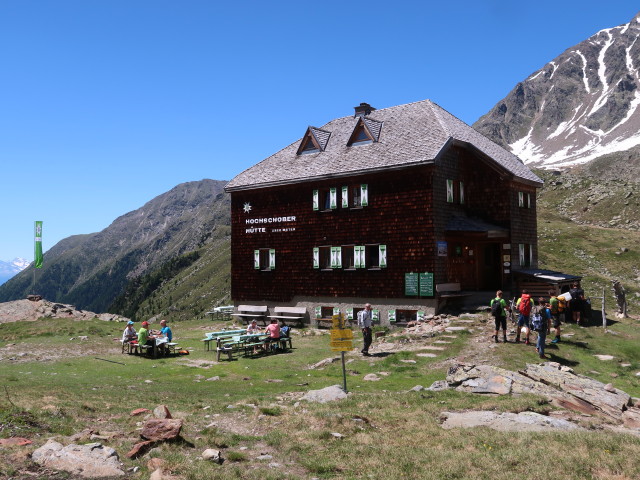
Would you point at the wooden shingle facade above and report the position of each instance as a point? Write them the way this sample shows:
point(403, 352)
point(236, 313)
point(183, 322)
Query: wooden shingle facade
point(353, 210)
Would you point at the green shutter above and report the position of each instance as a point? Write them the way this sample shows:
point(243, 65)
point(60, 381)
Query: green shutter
point(336, 257)
point(420, 315)
point(392, 316)
point(318, 312)
point(521, 252)
point(449, 191)
point(345, 197)
point(358, 256)
point(461, 193)
point(528, 200)
point(336, 310)
point(333, 198)
point(349, 313)
point(364, 195)
point(521, 199)
point(375, 315)
point(272, 259)
point(316, 200)
point(256, 259)
point(382, 251)
point(316, 257)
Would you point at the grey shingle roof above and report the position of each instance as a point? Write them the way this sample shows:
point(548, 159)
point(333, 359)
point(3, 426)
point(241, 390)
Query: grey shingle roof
point(321, 136)
point(408, 134)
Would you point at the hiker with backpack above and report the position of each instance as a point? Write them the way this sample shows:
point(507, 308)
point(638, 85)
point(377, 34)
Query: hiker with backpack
point(554, 308)
point(577, 302)
point(541, 323)
point(498, 310)
point(524, 306)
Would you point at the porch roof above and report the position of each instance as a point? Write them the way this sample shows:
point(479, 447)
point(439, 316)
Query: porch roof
point(461, 223)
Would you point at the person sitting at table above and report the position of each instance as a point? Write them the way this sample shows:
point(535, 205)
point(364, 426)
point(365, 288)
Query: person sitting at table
point(273, 330)
point(165, 330)
point(253, 328)
point(285, 329)
point(129, 335)
point(143, 336)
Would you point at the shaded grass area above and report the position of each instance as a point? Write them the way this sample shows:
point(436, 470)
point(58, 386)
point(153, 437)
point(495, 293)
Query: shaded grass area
point(385, 430)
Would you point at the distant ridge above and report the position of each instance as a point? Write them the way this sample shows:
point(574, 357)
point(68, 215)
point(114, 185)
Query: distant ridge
point(90, 271)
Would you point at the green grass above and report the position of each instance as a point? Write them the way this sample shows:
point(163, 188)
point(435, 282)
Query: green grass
point(386, 430)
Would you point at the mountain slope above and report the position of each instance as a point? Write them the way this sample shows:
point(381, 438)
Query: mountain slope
point(90, 271)
point(580, 106)
point(10, 269)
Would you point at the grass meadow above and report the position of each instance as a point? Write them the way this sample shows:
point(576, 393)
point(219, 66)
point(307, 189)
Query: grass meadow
point(250, 407)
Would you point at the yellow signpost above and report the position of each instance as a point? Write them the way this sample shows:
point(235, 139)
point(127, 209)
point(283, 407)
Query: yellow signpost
point(341, 341)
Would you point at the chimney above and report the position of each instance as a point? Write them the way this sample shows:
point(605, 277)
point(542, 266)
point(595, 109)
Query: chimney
point(363, 110)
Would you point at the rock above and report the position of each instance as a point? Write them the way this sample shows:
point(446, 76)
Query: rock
point(155, 464)
point(631, 417)
point(408, 361)
point(371, 377)
point(417, 388)
point(324, 395)
point(87, 461)
point(157, 475)
point(14, 442)
point(438, 386)
point(323, 363)
point(609, 387)
point(604, 358)
point(140, 448)
point(139, 411)
point(429, 355)
point(161, 411)
point(161, 429)
point(213, 379)
point(264, 456)
point(506, 422)
point(212, 455)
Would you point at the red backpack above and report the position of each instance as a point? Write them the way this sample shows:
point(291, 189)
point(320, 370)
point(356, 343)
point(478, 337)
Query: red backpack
point(525, 304)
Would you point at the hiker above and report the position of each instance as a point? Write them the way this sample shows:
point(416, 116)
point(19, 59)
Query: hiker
point(524, 306)
point(143, 335)
point(498, 310)
point(165, 330)
point(273, 329)
point(253, 328)
point(365, 320)
point(577, 302)
point(541, 323)
point(554, 309)
point(129, 335)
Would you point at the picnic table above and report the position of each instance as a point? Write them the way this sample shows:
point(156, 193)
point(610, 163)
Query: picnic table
point(214, 336)
point(249, 343)
point(161, 345)
point(223, 311)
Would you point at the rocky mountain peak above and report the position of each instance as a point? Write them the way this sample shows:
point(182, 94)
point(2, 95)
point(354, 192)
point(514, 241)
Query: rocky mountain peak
point(580, 106)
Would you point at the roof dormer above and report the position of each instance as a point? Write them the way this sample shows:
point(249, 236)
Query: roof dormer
point(314, 140)
point(366, 131)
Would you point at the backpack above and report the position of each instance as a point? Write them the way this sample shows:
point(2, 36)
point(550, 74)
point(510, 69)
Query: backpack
point(496, 307)
point(562, 304)
point(525, 304)
point(537, 323)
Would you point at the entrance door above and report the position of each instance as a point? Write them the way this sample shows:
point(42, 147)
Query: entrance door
point(491, 267)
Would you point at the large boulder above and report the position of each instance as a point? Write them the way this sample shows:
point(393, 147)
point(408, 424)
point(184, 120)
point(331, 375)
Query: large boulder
point(87, 461)
point(324, 395)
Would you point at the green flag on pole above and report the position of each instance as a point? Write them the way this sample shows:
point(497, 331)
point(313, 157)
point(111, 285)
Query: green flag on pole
point(37, 256)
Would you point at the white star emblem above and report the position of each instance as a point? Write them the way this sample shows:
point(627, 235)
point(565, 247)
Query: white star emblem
point(247, 207)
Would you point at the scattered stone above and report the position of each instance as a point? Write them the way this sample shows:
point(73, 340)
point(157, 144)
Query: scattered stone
point(408, 361)
point(14, 442)
point(323, 363)
point(140, 448)
point(429, 355)
point(88, 461)
point(417, 388)
point(604, 358)
point(506, 422)
point(442, 342)
point(337, 435)
point(324, 395)
point(371, 377)
point(433, 347)
point(212, 455)
point(213, 379)
point(139, 411)
point(162, 411)
point(456, 329)
point(161, 429)
point(264, 456)
point(438, 386)
point(148, 381)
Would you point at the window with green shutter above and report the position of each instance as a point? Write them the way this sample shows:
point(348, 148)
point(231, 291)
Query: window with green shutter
point(256, 259)
point(318, 312)
point(359, 254)
point(316, 257)
point(345, 197)
point(272, 259)
point(316, 200)
point(349, 313)
point(264, 259)
point(392, 316)
point(449, 191)
point(382, 251)
point(521, 199)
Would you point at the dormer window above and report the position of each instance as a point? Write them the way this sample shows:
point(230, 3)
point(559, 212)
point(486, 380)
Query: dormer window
point(366, 131)
point(314, 141)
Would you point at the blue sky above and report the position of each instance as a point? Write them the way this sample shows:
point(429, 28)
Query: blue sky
point(105, 104)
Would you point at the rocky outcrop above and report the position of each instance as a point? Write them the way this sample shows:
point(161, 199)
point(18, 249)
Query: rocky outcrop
point(506, 422)
point(87, 461)
point(559, 384)
point(29, 310)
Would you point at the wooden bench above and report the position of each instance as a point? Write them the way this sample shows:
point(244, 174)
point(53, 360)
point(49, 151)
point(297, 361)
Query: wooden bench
point(252, 312)
point(449, 291)
point(294, 314)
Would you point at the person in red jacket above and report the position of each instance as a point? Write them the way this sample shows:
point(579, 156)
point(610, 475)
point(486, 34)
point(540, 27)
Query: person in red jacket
point(524, 306)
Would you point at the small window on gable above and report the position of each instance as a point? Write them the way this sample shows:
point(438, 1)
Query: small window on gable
point(308, 145)
point(360, 136)
point(314, 141)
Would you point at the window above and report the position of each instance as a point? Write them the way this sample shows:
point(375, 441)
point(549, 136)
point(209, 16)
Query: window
point(308, 146)
point(327, 312)
point(327, 199)
point(376, 256)
point(264, 259)
point(359, 196)
point(461, 192)
point(405, 316)
point(348, 257)
point(449, 191)
point(520, 199)
point(360, 136)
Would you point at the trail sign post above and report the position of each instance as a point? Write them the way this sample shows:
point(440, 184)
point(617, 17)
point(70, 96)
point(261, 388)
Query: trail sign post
point(341, 341)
